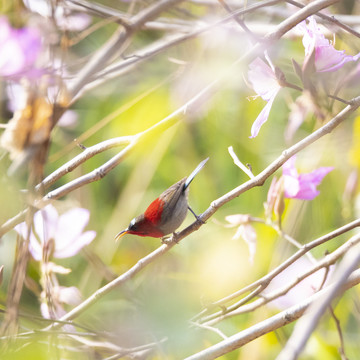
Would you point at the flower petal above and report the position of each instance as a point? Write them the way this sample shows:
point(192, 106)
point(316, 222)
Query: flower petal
point(262, 118)
point(69, 119)
point(237, 219)
point(308, 183)
point(71, 225)
point(289, 167)
point(249, 235)
point(20, 48)
point(238, 232)
point(46, 223)
point(34, 246)
point(316, 176)
point(78, 243)
point(72, 22)
point(69, 295)
point(291, 186)
point(263, 79)
point(302, 186)
point(327, 58)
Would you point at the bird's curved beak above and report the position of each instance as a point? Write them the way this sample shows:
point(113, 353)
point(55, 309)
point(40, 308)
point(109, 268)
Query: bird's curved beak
point(121, 234)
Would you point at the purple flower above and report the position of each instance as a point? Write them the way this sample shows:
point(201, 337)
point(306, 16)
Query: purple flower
point(66, 231)
point(265, 83)
point(326, 57)
point(302, 186)
point(19, 49)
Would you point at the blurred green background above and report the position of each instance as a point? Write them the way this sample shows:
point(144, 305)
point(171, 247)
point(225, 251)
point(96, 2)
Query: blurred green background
point(208, 264)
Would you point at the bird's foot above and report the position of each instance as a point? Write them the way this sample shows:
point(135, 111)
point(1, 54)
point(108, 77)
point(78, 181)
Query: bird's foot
point(197, 217)
point(175, 237)
point(167, 240)
point(200, 220)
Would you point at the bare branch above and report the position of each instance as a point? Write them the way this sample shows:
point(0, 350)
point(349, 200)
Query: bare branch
point(331, 19)
point(210, 328)
point(238, 163)
point(263, 282)
point(81, 158)
point(271, 324)
point(99, 173)
point(142, 263)
point(326, 262)
point(118, 42)
point(341, 337)
point(307, 324)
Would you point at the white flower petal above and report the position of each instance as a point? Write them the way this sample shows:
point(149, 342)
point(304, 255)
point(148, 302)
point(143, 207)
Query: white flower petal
point(237, 219)
point(69, 295)
point(238, 233)
point(249, 235)
point(45, 223)
point(71, 225)
point(77, 244)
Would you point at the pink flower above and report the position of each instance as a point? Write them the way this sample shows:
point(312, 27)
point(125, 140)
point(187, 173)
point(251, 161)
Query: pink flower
point(66, 231)
point(19, 49)
point(265, 83)
point(302, 186)
point(326, 57)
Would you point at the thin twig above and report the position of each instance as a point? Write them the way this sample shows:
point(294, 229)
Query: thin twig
point(331, 19)
point(81, 158)
point(238, 163)
point(210, 328)
point(118, 42)
point(114, 284)
point(326, 262)
point(265, 280)
point(264, 327)
point(305, 327)
point(99, 173)
point(341, 337)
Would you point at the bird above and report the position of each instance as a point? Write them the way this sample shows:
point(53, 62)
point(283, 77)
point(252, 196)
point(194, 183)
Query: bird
point(166, 213)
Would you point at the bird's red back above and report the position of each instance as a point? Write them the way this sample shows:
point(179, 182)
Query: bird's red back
point(154, 211)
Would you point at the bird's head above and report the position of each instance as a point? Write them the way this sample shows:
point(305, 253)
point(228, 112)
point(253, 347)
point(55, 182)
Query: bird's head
point(141, 226)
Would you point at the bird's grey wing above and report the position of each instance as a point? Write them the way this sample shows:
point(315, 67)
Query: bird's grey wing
point(171, 196)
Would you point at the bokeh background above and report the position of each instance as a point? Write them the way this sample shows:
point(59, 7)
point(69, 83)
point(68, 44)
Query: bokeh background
point(159, 302)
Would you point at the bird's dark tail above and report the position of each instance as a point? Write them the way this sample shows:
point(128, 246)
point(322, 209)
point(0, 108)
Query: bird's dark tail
point(193, 174)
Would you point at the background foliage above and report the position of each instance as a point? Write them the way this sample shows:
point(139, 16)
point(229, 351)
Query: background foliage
point(155, 306)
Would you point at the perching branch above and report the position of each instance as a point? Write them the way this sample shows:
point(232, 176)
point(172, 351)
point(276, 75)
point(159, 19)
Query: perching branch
point(269, 39)
point(215, 205)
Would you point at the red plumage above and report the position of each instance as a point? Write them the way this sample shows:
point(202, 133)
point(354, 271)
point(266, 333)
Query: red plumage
point(154, 211)
point(166, 213)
